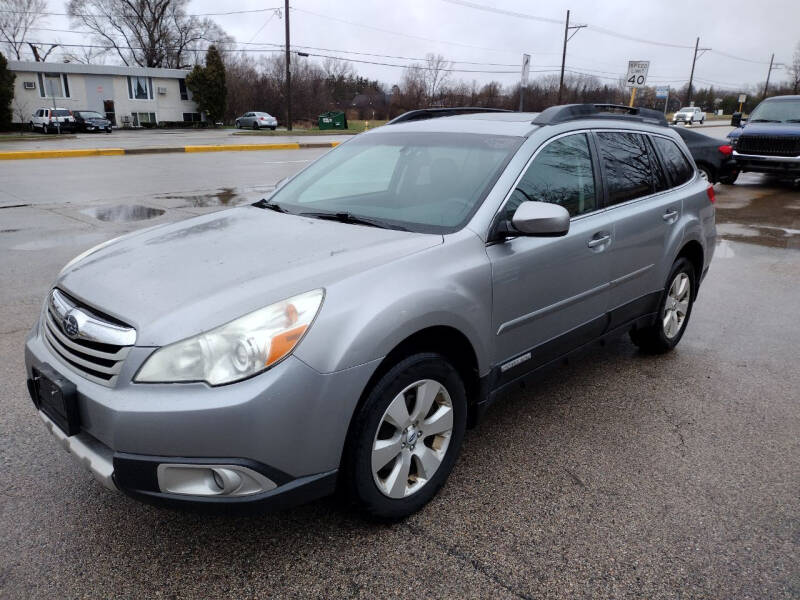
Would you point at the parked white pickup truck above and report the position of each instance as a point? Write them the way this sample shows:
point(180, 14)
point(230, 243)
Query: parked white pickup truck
point(690, 114)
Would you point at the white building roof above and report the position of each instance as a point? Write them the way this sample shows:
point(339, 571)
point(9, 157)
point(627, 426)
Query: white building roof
point(55, 67)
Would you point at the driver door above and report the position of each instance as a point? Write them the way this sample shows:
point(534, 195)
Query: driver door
point(551, 293)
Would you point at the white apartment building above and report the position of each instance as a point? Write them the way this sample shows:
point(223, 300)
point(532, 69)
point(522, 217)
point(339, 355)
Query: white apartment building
point(128, 96)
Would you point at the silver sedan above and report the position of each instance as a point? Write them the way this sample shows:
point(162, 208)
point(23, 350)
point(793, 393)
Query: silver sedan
point(257, 120)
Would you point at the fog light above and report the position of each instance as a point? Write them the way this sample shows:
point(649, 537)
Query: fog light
point(211, 480)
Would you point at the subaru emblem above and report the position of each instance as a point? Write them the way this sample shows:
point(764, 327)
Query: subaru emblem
point(70, 326)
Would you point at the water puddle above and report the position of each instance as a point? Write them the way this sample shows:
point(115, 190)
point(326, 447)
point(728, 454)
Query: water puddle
point(124, 213)
point(222, 197)
point(765, 213)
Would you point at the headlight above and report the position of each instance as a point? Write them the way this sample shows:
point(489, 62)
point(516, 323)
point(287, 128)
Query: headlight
point(237, 350)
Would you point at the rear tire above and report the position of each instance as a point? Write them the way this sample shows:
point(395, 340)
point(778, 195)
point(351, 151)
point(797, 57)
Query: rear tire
point(674, 311)
point(405, 438)
point(729, 179)
point(255, 126)
point(706, 173)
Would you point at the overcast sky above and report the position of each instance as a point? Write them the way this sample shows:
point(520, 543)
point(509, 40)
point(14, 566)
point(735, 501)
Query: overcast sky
point(411, 28)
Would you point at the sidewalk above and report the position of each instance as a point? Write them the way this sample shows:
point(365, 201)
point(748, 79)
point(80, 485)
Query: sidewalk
point(123, 142)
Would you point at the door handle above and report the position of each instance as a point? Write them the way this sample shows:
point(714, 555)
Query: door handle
point(598, 241)
point(670, 215)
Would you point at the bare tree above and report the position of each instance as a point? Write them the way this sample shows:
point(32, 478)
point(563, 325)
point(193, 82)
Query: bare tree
point(148, 33)
point(436, 75)
point(87, 55)
point(794, 70)
point(337, 69)
point(16, 18)
point(39, 53)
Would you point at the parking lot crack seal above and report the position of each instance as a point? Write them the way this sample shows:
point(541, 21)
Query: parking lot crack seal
point(475, 563)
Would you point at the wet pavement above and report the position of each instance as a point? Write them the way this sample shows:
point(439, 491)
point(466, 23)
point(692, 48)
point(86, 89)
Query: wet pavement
point(619, 475)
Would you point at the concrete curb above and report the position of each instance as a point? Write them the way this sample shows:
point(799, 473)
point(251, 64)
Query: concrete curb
point(82, 152)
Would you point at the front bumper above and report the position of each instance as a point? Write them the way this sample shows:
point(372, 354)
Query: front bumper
point(288, 424)
point(777, 165)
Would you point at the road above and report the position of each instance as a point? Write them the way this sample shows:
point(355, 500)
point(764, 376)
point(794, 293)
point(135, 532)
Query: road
point(619, 475)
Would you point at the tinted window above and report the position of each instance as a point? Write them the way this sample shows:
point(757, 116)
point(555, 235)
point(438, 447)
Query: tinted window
point(679, 168)
point(562, 174)
point(660, 179)
point(626, 162)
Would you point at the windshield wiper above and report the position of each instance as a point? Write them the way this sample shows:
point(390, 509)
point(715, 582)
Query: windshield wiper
point(346, 217)
point(793, 120)
point(264, 203)
point(764, 121)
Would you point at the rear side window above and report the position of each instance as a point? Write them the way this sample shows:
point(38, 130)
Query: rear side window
point(626, 162)
point(562, 174)
point(675, 162)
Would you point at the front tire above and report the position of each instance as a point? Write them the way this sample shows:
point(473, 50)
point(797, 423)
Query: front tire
point(674, 311)
point(405, 438)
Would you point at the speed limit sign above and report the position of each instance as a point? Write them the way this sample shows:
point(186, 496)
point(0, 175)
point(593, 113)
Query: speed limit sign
point(637, 73)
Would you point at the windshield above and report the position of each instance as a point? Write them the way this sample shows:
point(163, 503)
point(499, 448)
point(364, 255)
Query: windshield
point(776, 111)
point(686, 109)
point(424, 182)
point(90, 115)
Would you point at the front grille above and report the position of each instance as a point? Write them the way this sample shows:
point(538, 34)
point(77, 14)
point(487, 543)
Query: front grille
point(767, 145)
point(92, 354)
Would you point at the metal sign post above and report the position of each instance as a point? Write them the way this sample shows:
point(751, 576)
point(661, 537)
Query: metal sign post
point(742, 100)
point(663, 92)
point(526, 68)
point(637, 76)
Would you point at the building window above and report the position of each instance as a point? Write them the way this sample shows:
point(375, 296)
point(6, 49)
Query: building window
point(140, 88)
point(194, 117)
point(184, 91)
point(53, 85)
point(144, 119)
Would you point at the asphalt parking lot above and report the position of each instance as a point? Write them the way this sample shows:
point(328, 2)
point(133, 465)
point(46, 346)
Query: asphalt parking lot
point(619, 475)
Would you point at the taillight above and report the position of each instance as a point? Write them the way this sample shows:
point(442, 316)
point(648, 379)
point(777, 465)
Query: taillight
point(710, 193)
point(726, 150)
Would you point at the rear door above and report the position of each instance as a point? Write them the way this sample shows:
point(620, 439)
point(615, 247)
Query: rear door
point(644, 210)
point(549, 293)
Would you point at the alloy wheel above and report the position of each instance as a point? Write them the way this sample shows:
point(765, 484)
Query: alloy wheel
point(412, 438)
point(676, 306)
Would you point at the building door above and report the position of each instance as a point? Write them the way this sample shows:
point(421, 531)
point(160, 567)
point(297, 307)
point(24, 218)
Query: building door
point(108, 108)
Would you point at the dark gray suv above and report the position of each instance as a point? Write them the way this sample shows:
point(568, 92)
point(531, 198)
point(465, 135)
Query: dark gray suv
point(348, 329)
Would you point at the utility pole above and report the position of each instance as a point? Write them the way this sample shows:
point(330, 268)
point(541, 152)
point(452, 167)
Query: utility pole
point(691, 76)
point(766, 85)
point(288, 71)
point(567, 38)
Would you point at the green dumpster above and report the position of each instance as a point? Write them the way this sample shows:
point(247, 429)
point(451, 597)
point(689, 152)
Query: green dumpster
point(332, 120)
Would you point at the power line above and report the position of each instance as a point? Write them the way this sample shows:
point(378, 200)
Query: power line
point(210, 14)
point(397, 33)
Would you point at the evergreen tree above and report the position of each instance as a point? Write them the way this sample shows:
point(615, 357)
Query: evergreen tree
point(207, 85)
point(6, 93)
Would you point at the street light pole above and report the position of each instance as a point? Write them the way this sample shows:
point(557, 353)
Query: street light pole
point(288, 71)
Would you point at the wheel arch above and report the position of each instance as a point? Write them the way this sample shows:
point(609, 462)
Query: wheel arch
point(446, 340)
point(692, 250)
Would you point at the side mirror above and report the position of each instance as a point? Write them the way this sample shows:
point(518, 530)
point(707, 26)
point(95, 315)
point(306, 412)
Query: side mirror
point(541, 219)
point(736, 119)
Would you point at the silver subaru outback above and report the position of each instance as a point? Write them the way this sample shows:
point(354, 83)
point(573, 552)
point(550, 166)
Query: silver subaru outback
point(344, 332)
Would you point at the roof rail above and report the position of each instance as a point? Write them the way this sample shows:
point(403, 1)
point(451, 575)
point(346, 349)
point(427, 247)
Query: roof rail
point(572, 112)
point(433, 113)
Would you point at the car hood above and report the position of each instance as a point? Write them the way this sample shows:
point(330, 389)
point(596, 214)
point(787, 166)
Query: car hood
point(776, 129)
point(177, 280)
